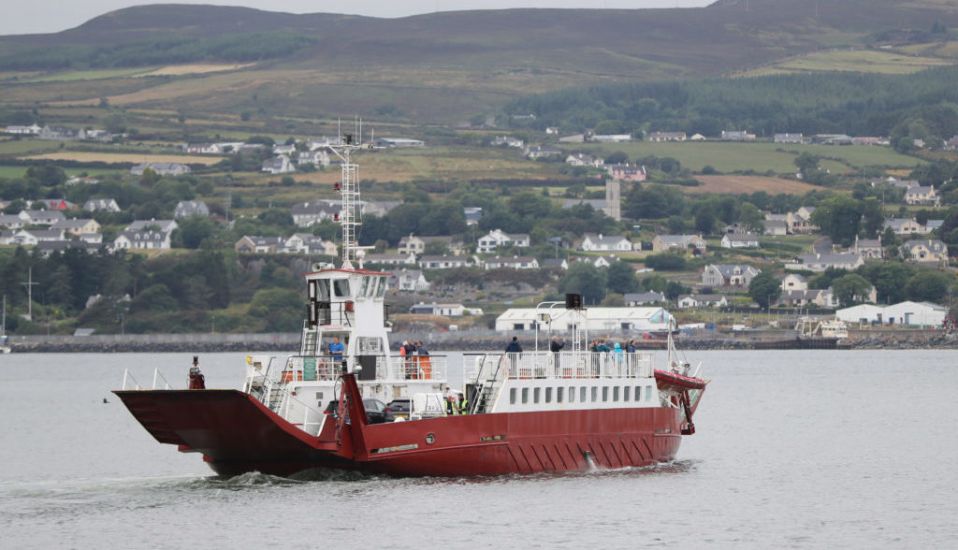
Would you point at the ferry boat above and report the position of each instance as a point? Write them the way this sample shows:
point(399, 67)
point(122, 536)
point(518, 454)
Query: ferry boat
point(515, 413)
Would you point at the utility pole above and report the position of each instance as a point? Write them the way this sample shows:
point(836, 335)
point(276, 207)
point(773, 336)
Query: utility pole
point(29, 284)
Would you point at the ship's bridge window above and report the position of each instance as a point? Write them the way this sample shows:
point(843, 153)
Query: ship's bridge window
point(366, 285)
point(321, 292)
point(341, 288)
point(381, 288)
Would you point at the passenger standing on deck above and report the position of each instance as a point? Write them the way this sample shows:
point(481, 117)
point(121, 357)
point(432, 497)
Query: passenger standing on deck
point(514, 346)
point(197, 380)
point(336, 349)
point(555, 346)
point(512, 352)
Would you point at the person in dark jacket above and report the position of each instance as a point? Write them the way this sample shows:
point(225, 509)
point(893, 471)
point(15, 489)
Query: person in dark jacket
point(514, 346)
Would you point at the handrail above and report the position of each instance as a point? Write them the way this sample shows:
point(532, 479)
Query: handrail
point(157, 373)
point(127, 375)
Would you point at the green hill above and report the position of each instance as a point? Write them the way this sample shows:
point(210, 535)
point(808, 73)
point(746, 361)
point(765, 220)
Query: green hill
point(442, 66)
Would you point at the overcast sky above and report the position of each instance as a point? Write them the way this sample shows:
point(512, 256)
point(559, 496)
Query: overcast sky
point(37, 16)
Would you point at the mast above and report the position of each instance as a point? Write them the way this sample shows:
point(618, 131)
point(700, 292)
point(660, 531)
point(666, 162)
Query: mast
point(350, 216)
point(3, 324)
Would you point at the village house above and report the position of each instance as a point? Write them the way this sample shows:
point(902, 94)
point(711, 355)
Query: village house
point(737, 135)
point(922, 195)
point(870, 140)
point(210, 148)
point(408, 280)
point(605, 243)
point(691, 301)
point(610, 138)
point(164, 226)
point(307, 243)
point(597, 261)
point(539, 152)
point(278, 165)
point(497, 238)
point(775, 228)
point(101, 205)
point(11, 221)
point(906, 226)
point(31, 237)
point(868, 248)
point(77, 227)
point(41, 217)
point(53, 204)
point(61, 133)
point(739, 240)
point(723, 275)
point(444, 310)
point(161, 169)
point(390, 259)
point(681, 243)
point(794, 139)
point(186, 209)
point(412, 245)
point(925, 251)
point(794, 281)
point(472, 214)
point(661, 137)
point(444, 262)
point(644, 298)
point(626, 172)
point(397, 143)
point(516, 262)
point(46, 248)
point(820, 262)
point(252, 244)
point(318, 158)
point(584, 160)
point(81, 180)
point(832, 139)
point(800, 221)
point(146, 239)
point(31, 130)
point(375, 208)
point(824, 299)
point(507, 141)
point(308, 214)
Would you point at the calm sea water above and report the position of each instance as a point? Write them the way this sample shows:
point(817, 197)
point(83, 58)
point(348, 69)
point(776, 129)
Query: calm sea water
point(803, 449)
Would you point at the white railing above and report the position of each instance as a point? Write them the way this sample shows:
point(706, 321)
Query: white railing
point(157, 376)
point(416, 367)
point(127, 377)
point(572, 365)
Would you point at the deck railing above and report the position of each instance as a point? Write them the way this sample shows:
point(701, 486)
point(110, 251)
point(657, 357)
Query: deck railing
point(328, 368)
point(572, 365)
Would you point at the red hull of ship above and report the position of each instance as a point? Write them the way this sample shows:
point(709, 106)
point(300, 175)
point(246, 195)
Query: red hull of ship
point(237, 434)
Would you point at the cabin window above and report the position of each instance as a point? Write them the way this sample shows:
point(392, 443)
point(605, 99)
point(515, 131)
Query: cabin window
point(525, 395)
point(381, 289)
point(571, 394)
point(341, 288)
point(638, 393)
point(595, 394)
point(512, 396)
point(312, 290)
point(322, 286)
point(615, 393)
point(605, 393)
point(625, 393)
point(582, 391)
point(364, 286)
point(560, 394)
point(518, 326)
point(535, 395)
point(548, 395)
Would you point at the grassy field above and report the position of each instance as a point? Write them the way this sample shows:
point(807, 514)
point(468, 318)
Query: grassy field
point(16, 147)
point(861, 61)
point(737, 185)
point(760, 157)
point(93, 74)
point(116, 158)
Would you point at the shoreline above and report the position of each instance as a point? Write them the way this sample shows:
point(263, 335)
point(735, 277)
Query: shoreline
point(461, 341)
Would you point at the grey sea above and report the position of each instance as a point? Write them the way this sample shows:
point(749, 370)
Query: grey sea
point(803, 449)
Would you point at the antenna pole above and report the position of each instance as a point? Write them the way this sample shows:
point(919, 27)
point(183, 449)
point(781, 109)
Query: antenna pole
point(349, 191)
point(29, 284)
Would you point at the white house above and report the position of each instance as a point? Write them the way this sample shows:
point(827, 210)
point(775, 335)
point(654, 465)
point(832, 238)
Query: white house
point(445, 310)
point(144, 239)
point(161, 169)
point(690, 301)
point(660, 137)
point(597, 320)
point(307, 214)
point(408, 280)
point(739, 240)
point(794, 281)
point(681, 243)
point(390, 259)
point(412, 245)
point(605, 243)
point(255, 244)
point(101, 205)
point(444, 262)
point(820, 262)
point(922, 194)
point(923, 314)
point(497, 238)
point(516, 262)
point(185, 209)
point(307, 243)
point(728, 275)
point(278, 165)
point(926, 251)
point(906, 226)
